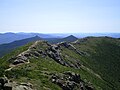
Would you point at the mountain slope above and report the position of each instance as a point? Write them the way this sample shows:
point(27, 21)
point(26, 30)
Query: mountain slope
point(103, 58)
point(11, 37)
point(70, 38)
point(80, 65)
point(6, 48)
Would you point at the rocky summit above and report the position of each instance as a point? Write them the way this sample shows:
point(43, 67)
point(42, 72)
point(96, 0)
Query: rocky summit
point(90, 63)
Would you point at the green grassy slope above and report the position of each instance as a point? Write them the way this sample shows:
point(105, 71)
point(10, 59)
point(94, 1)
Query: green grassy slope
point(103, 58)
point(99, 66)
point(4, 63)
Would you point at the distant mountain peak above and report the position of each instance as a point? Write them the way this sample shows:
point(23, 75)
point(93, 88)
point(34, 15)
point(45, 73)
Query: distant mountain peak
point(36, 36)
point(71, 36)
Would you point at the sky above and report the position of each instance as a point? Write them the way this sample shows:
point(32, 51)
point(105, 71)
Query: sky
point(60, 16)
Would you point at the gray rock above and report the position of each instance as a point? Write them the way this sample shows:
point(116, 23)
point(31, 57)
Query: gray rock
point(70, 81)
point(8, 86)
point(18, 61)
point(3, 80)
point(4, 84)
point(23, 86)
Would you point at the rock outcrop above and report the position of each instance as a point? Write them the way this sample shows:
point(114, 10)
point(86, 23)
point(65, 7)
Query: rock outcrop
point(71, 47)
point(24, 56)
point(70, 81)
point(5, 84)
point(52, 51)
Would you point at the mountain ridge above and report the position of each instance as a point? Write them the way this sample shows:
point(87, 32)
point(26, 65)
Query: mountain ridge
point(6, 48)
point(57, 66)
point(10, 36)
point(69, 38)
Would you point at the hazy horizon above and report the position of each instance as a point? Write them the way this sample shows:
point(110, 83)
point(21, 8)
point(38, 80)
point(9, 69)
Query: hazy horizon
point(60, 16)
point(64, 33)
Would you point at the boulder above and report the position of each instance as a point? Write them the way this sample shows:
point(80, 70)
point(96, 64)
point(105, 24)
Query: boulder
point(27, 54)
point(3, 80)
point(4, 84)
point(8, 86)
point(65, 44)
point(23, 86)
point(18, 61)
point(36, 54)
